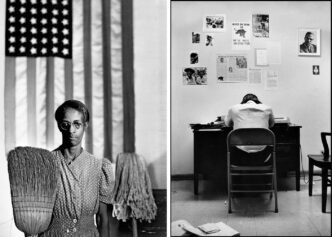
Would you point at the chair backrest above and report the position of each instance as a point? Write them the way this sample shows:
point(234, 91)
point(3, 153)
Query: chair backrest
point(250, 136)
point(323, 136)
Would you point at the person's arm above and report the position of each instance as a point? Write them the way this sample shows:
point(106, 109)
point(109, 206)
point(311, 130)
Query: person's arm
point(271, 119)
point(228, 119)
point(102, 220)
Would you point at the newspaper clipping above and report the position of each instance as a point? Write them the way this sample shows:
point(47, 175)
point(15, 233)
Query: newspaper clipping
point(232, 68)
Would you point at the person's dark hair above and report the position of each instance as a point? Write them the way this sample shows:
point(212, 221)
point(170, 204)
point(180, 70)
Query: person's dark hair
point(252, 97)
point(307, 34)
point(72, 104)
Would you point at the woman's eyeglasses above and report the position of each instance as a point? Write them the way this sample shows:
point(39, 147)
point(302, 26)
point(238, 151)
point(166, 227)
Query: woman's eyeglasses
point(65, 126)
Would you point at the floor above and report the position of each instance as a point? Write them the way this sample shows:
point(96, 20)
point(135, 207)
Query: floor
point(253, 215)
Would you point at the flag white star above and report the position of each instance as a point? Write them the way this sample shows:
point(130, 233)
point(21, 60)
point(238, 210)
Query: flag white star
point(44, 1)
point(23, 30)
point(55, 40)
point(23, 1)
point(65, 51)
point(33, 20)
point(44, 10)
point(11, 49)
point(54, 49)
point(65, 31)
point(54, 30)
point(22, 49)
point(33, 1)
point(54, 1)
point(64, 2)
point(65, 22)
point(33, 30)
point(11, 19)
point(22, 20)
point(65, 12)
point(12, 1)
point(11, 39)
point(33, 10)
point(44, 40)
point(23, 40)
point(33, 50)
point(11, 9)
point(65, 41)
point(54, 20)
point(22, 9)
point(44, 50)
point(44, 21)
point(33, 41)
point(11, 29)
point(55, 12)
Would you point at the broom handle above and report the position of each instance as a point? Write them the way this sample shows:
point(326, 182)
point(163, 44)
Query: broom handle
point(31, 235)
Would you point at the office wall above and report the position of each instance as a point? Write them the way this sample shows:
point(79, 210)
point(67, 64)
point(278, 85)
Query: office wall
point(150, 101)
point(303, 97)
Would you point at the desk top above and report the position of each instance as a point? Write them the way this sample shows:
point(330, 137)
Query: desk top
point(209, 126)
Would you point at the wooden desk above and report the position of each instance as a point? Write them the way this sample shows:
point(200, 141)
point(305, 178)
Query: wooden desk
point(210, 152)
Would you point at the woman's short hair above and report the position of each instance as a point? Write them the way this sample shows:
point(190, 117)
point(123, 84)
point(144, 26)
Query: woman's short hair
point(252, 97)
point(72, 104)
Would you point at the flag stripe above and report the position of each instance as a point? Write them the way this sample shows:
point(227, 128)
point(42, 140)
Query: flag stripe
point(31, 77)
point(87, 70)
point(107, 79)
point(59, 95)
point(50, 102)
point(69, 87)
point(128, 76)
point(10, 81)
point(41, 102)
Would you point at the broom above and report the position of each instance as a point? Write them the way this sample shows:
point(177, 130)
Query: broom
point(33, 174)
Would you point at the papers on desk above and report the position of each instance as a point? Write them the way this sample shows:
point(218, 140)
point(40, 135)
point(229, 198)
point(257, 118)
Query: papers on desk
point(184, 228)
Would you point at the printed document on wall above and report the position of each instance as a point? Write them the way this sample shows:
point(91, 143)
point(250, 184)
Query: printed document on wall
point(255, 76)
point(271, 80)
point(232, 68)
point(241, 36)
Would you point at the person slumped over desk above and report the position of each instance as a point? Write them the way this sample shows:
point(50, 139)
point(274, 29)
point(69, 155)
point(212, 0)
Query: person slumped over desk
point(250, 113)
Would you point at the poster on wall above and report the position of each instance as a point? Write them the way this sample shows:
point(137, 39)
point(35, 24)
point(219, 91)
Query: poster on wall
point(214, 23)
point(271, 80)
point(232, 68)
point(241, 36)
point(260, 25)
point(194, 75)
point(309, 42)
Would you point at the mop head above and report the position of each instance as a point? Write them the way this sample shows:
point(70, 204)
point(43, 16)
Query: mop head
point(33, 174)
point(132, 194)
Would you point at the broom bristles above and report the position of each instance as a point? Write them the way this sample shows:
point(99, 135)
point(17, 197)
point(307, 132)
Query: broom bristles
point(33, 174)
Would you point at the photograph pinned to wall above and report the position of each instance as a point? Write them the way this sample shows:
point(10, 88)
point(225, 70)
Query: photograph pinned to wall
point(196, 37)
point(241, 36)
point(232, 68)
point(194, 76)
point(209, 39)
point(214, 23)
point(193, 57)
point(261, 25)
point(309, 42)
point(315, 69)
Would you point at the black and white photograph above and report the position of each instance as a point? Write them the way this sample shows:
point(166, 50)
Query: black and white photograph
point(193, 57)
point(196, 37)
point(194, 76)
point(214, 23)
point(309, 42)
point(247, 149)
point(260, 25)
point(209, 39)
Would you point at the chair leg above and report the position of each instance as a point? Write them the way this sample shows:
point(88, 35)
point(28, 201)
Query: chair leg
point(324, 189)
point(311, 170)
point(134, 227)
point(275, 193)
point(229, 194)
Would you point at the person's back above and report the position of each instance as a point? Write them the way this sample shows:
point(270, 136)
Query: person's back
point(251, 113)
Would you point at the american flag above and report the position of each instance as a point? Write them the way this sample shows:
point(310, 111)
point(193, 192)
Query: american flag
point(70, 49)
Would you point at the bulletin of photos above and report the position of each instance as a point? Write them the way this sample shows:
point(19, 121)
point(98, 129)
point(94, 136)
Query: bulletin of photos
point(233, 68)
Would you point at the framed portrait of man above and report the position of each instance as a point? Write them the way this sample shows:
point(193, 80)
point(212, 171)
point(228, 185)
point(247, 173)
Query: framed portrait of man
point(309, 42)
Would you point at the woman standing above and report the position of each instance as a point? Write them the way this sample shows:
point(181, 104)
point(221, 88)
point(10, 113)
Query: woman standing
point(85, 183)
